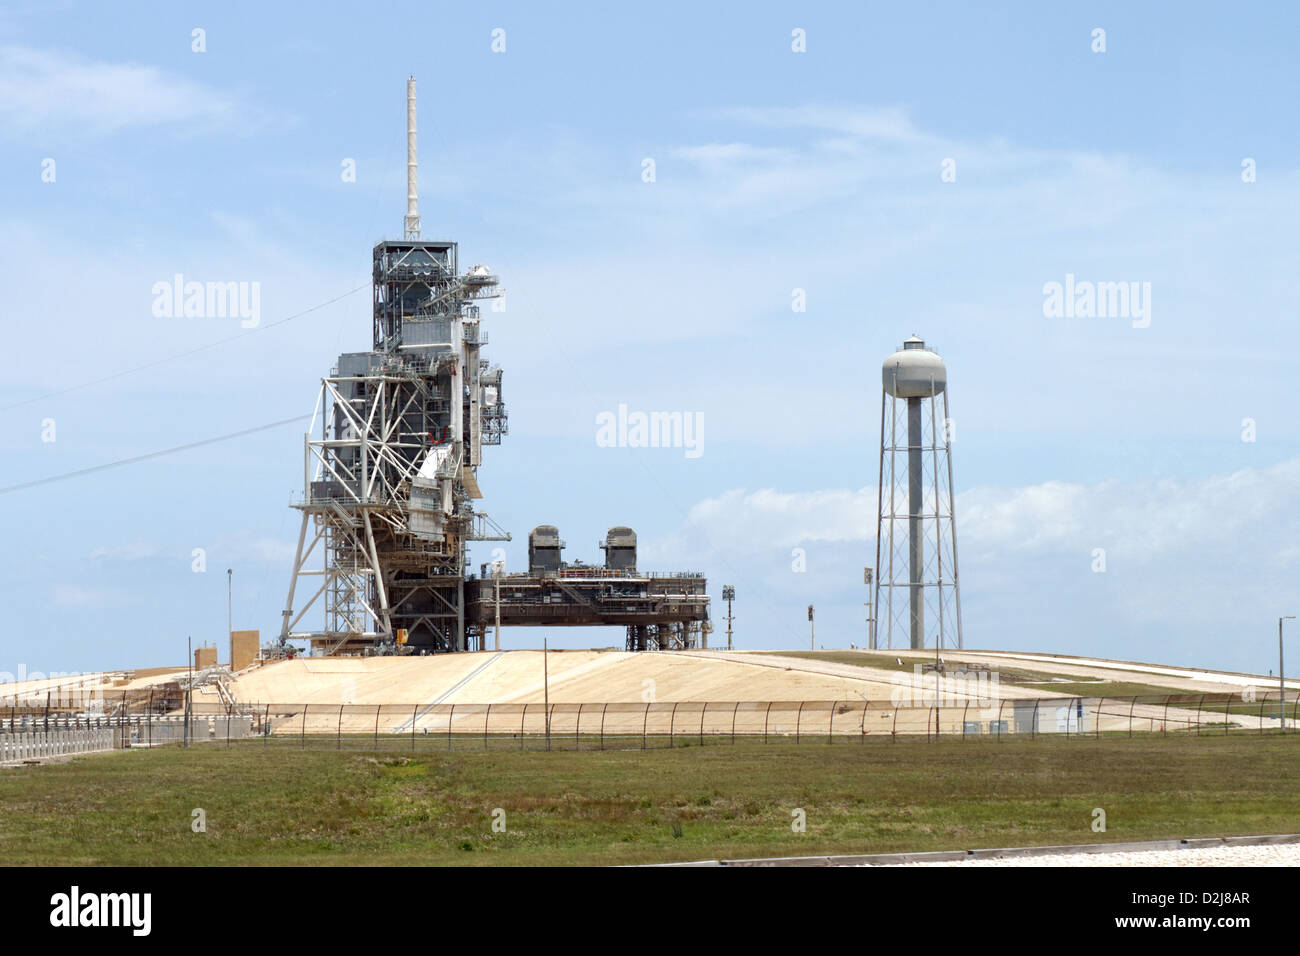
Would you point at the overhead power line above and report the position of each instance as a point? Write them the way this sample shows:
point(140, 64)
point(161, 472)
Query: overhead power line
point(152, 454)
point(179, 355)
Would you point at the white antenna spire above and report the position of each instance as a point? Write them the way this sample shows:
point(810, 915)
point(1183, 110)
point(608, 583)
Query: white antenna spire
point(412, 196)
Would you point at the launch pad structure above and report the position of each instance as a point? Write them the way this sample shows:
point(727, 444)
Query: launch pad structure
point(390, 477)
point(660, 611)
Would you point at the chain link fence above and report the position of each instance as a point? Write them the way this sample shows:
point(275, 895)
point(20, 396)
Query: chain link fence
point(648, 725)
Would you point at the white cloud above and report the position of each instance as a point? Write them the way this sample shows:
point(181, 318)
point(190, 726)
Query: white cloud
point(130, 551)
point(73, 595)
point(244, 546)
point(718, 154)
point(1145, 521)
point(1196, 569)
point(1242, 513)
point(47, 90)
point(890, 124)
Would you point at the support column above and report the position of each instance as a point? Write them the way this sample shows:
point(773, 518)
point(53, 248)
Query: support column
point(915, 502)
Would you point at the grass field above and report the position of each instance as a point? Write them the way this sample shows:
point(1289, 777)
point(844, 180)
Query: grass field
point(280, 806)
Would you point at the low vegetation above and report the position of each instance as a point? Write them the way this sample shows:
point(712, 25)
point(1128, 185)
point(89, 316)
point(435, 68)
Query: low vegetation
point(280, 806)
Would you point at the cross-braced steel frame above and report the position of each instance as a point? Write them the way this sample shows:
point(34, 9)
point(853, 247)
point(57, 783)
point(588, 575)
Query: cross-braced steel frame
point(916, 527)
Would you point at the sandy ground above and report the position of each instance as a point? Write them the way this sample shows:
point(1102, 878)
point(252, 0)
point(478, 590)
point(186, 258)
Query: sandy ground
point(613, 687)
point(1187, 680)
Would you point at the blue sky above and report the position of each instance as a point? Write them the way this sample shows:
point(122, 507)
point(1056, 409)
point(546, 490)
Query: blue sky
point(775, 171)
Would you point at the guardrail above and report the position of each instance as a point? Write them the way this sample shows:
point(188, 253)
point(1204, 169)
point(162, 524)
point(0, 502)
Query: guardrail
point(37, 745)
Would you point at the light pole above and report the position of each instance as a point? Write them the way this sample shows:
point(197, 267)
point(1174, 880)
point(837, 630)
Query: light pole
point(728, 595)
point(1281, 679)
point(812, 629)
point(189, 691)
point(871, 617)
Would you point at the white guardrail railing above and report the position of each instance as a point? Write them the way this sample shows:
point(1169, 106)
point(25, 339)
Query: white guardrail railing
point(54, 743)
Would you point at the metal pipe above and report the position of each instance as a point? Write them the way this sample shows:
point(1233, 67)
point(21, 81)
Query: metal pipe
point(412, 230)
point(952, 517)
point(938, 525)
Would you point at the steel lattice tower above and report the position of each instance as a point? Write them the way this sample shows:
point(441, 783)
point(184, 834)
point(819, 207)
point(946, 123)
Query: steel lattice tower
point(917, 596)
point(390, 461)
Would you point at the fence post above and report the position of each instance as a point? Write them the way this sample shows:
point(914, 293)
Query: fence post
point(1131, 705)
point(798, 719)
point(486, 717)
point(339, 730)
point(964, 711)
point(765, 713)
point(893, 728)
point(577, 730)
point(734, 708)
point(415, 712)
point(830, 732)
point(644, 721)
point(377, 709)
point(522, 717)
point(303, 742)
point(1096, 723)
point(602, 724)
point(1033, 726)
point(1198, 714)
point(672, 719)
point(450, 714)
point(703, 711)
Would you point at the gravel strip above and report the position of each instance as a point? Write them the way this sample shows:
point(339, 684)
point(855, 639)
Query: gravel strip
point(1286, 854)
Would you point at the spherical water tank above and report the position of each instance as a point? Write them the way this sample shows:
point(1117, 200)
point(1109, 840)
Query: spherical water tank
point(914, 371)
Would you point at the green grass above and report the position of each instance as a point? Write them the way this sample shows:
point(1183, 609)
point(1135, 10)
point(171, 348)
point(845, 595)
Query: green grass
point(281, 806)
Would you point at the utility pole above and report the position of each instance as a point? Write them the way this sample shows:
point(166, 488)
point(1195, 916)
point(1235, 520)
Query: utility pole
point(871, 618)
point(1281, 680)
point(812, 629)
point(189, 690)
point(728, 595)
point(546, 693)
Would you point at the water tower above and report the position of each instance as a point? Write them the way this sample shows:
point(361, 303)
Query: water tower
point(916, 531)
